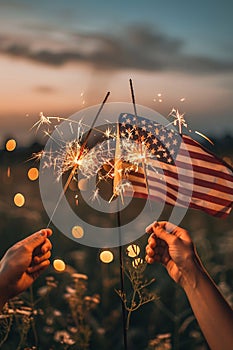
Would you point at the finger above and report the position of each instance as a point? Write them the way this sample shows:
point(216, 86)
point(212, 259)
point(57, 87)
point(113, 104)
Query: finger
point(152, 241)
point(150, 251)
point(149, 260)
point(39, 259)
point(149, 229)
point(46, 246)
point(163, 234)
point(36, 274)
point(175, 230)
point(168, 226)
point(36, 239)
point(48, 231)
point(35, 268)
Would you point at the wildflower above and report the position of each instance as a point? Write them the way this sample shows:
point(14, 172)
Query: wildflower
point(49, 330)
point(79, 276)
point(73, 329)
point(57, 313)
point(42, 291)
point(70, 291)
point(23, 312)
point(101, 331)
point(63, 337)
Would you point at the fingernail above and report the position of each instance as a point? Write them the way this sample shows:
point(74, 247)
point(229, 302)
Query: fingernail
point(43, 233)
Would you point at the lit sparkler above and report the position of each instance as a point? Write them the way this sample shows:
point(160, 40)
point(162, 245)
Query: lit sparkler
point(180, 121)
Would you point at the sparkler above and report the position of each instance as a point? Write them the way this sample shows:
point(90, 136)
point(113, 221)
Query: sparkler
point(77, 151)
point(180, 121)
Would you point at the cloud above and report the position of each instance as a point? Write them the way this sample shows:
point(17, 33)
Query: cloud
point(137, 47)
point(45, 89)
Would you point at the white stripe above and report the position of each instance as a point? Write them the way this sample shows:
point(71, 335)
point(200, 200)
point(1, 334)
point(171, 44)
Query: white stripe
point(189, 173)
point(164, 197)
point(187, 186)
point(203, 163)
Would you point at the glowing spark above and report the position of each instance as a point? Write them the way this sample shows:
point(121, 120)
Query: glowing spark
point(37, 156)
point(95, 195)
point(108, 132)
point(178, 119)
point(204, 136)
point(43, 120)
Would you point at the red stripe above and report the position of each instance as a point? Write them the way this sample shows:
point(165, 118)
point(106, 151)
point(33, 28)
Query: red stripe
point(189, 180)
point(204, 170)
point(190, 141)
point(200, 156)
point(198, 182)
point(221, 214)
point(184, 191)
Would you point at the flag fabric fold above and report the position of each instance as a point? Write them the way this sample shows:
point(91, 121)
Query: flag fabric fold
point(181, 172)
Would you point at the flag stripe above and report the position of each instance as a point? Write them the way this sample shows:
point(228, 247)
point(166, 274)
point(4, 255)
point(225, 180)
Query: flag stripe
point(221, 213)
point(211, 182)
point(172, 199)
point(180, 171)
point(179, 191)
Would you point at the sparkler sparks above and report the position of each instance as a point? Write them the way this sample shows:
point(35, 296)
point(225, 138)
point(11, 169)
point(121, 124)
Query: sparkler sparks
point(180, 121)
point(72, 157)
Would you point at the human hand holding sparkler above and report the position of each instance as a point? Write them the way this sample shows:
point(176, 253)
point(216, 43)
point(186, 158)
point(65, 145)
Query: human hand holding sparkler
point(173, 247)
point(23, 263)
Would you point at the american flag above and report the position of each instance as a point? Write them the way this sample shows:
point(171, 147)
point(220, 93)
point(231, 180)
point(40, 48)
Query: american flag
point(187, 174)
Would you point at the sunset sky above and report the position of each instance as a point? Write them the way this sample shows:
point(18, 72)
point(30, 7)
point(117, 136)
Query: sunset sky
point(61, 56)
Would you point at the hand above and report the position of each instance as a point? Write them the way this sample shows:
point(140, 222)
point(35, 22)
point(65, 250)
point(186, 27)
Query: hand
point(171, 246)
point(23, 263)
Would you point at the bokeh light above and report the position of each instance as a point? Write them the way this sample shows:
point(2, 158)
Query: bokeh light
point(73, 185)
point(19, 199)
point(33, 174)
point(83, 184)
point(133, 250)
point(106, 256)
point(59, 265)
point(10, 145)
point(77, 232)
point(137, 262)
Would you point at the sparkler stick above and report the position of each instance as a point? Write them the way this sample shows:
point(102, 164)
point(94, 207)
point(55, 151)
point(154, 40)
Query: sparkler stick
point(139, 137)
point(79, 156)
point(124, 322)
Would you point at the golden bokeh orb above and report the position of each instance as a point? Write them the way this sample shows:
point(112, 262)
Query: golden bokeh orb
point(83, 184)
point(33, 174)
point(133, 250)
point(19, 199)
point(10, 145)
point(137, 262)
point(77, 232)
point(106, 256)
point(59, 265)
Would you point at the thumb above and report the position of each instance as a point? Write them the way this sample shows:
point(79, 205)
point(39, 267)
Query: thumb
point(161, 233)
point(35, 240)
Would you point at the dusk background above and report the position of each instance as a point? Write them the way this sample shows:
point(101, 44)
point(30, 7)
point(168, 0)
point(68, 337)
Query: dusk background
point(58, 57)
